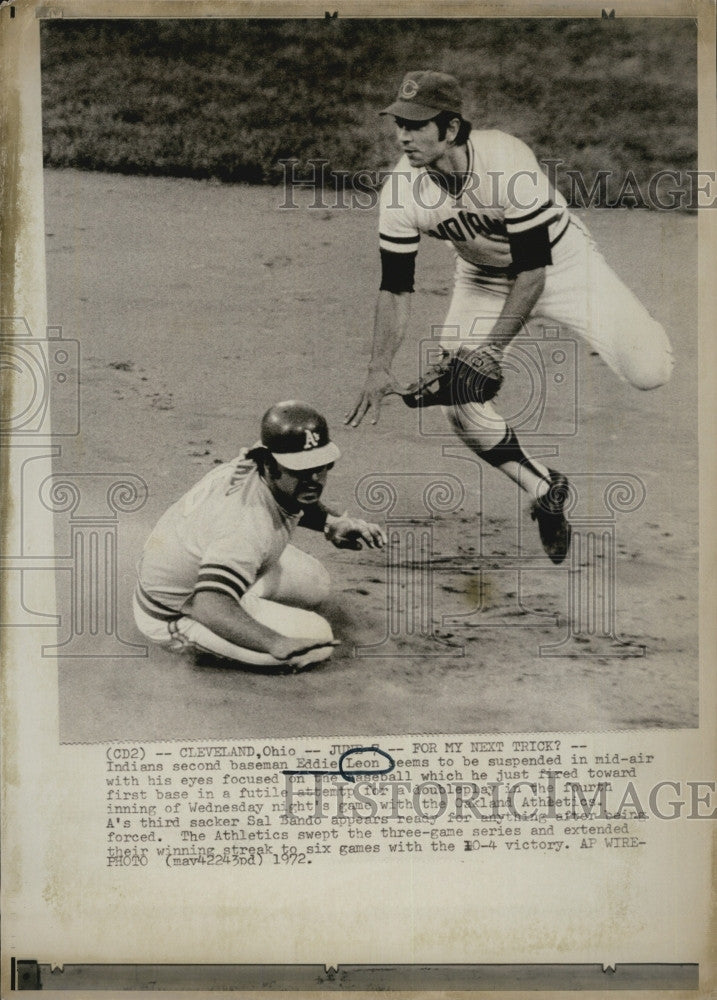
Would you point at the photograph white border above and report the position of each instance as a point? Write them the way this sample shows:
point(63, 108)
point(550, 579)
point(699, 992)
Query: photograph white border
point(35, 774)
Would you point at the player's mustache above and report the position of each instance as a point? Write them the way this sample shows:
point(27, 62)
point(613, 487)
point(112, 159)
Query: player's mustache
point(313, 487)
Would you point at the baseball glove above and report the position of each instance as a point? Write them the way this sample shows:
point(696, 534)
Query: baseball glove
point(471, 375)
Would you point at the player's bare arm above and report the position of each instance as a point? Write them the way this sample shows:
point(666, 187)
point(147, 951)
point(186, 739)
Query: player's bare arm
point(519, 304)
point(228, 619)
point(393, 311)
point(342, 530)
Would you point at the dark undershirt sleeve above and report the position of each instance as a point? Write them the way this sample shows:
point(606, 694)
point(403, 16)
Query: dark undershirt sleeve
point(397, 271)
point(314, 517)
point(530, 249)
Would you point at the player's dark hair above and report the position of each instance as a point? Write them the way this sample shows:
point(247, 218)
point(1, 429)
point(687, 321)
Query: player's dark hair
point(443, 120)
point(264, 461)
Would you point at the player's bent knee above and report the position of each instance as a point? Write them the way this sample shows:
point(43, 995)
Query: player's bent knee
point(318, 584)
point(297, 579)
point(325, 584)
point(655, 375)
point(647, 362)
point(318, 627)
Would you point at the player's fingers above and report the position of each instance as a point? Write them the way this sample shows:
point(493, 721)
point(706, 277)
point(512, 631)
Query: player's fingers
point(309, 646)
point(369, 536)
point(378, 536)
point(359, 411)
point(377, 400)
point(374, 535)
point(363, 408)
point(348, 417)
point(350, 540)
point(314, 655)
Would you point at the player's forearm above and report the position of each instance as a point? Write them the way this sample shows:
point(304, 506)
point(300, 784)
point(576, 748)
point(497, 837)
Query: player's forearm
point(393, 311)
point(342, 530)
point(518, 306)
point(230, 621)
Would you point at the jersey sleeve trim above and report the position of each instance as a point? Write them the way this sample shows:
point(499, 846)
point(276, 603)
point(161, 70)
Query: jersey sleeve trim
point(399, 244)
point(556, 239)
point(546, 213)
point(221, 580)
point(154, 608)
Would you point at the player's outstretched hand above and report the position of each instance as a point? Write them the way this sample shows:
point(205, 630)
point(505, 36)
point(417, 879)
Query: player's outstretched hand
point(353, 533)
point(302, 652)
point(378, 384)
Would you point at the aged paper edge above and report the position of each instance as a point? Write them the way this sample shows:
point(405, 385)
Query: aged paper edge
point(707, 232)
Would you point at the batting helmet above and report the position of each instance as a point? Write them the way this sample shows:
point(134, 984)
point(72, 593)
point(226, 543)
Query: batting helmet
point(297, 436)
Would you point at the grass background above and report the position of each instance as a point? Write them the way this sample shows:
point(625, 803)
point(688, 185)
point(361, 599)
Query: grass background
point(227, 99)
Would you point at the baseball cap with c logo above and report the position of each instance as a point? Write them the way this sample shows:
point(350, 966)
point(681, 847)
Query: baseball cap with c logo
point(423, 94)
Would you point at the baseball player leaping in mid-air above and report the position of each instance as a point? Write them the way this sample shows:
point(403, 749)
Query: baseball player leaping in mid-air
point(218, 573)
point(520, 256)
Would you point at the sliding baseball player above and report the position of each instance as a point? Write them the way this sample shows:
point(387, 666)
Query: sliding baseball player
point(219, 573)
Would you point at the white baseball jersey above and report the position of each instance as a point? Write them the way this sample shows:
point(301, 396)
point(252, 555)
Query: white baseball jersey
point(220, 536)
point(504, 194)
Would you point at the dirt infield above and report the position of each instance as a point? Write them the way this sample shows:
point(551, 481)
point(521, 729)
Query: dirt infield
point(197, 305)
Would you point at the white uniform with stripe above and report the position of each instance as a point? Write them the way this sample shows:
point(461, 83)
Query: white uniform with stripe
point(228, 535)
point(506, 193)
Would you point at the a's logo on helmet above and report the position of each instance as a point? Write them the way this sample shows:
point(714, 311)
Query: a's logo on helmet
point(312, 439)
point(409, 89)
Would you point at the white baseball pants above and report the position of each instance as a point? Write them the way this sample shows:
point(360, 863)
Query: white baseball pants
point(296, 579)
point(583, 294)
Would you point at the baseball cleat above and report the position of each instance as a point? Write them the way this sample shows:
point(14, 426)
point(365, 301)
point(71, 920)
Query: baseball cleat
point(547, 510)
